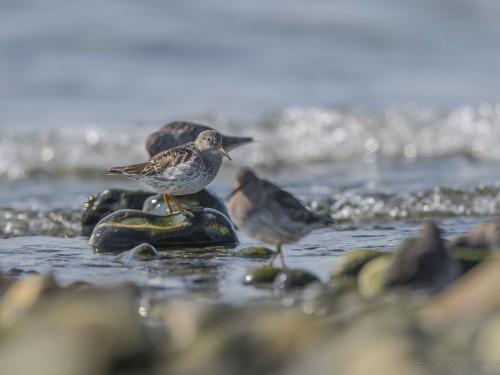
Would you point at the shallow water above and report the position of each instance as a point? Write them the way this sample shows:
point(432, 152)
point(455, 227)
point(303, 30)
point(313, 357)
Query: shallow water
point(355, 107)
point(214, 274)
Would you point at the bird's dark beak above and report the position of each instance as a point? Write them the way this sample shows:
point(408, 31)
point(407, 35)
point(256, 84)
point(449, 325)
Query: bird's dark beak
point(237, 187)
point(223, 152)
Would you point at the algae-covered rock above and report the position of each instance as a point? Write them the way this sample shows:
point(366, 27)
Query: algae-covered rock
point(261, 276)
point(100, 205)
point(293, 278)
point(128, 228)
point(144, 251)
point(204, 198)
point(469, 257)
point(343, 284)
point(255, 252)
point(371, 277)
point(350, 263)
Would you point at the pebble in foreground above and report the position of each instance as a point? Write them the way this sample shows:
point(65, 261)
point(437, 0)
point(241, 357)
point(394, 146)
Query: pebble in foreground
point(180, 132)
point(269, 213)
point(181, 170)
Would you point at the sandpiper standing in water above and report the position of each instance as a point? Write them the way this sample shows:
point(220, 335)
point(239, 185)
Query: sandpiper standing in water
point(269, 213)
point(181, 170)
point(180, 132)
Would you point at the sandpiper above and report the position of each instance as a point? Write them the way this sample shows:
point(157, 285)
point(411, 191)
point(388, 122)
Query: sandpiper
point(181, 170)
point(269, 213)
point(180, 132)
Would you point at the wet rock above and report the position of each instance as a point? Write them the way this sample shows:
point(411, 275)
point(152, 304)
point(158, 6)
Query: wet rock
point(343, 284)
point(128, 228)
point(371, 277)
point(293, 279)
point(204, 198)
point(255, 252)
point(100, 205)
point(484, 235)
point(423, 262)
point(351, 262)
point(144, 251)
point(261, 276)
point(345, 270)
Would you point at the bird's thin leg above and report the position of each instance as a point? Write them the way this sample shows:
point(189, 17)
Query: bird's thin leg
point(276, 253)
point(165, 198)
point(281, 255)
point(181, 209)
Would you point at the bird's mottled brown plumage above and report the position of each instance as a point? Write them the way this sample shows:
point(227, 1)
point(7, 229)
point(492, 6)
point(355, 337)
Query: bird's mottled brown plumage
point(182, 170)
point(181, 132)
point(159, 162)
point(269, 213)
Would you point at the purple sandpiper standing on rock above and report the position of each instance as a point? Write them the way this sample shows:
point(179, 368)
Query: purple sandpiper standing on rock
point(180, 132)
point(269, 213)
point(181, 170)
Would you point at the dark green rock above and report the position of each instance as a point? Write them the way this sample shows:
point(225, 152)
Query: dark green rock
point(204, 198)
point(343, 284)
point(293, 278)
point(255, 252)
point(124, 229)
point(261, 276)
point(144, 251)
point(102, 204)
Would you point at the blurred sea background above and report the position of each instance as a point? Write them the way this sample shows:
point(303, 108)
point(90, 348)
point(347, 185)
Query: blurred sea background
point(377, 112)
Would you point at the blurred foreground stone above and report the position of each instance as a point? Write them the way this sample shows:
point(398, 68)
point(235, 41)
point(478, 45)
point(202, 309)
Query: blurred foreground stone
point(47, 329)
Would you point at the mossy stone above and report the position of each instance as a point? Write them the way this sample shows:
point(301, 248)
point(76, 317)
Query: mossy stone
point(204, 198)
point(371, 277)
point(100, 205)
point(261, 276)
point(255, 252)
point(343, 284)
point(351, 263)
point(125, 229)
